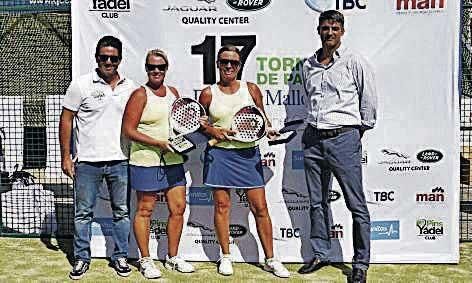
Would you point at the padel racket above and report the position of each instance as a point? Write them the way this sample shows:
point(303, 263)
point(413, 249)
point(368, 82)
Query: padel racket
point(184, 118)
point(249, 125)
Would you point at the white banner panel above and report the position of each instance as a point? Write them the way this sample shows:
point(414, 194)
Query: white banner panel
point(411, 159)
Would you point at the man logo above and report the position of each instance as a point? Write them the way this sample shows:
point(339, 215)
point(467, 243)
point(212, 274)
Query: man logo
point(420, 5)
point(336, 232)
point(324, 5)
point(436, 196)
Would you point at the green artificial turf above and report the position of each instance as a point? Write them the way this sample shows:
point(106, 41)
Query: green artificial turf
point(33, 260)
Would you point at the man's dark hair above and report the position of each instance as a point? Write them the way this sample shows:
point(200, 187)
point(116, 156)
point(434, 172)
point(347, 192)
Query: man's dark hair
point(228, 47)
point(109, 40)
point(332, 15)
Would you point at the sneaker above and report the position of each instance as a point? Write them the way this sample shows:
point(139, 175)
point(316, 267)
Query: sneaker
point(148, 269)
point(121, 267)
point(275, 266)
point(225, 267)
point(179, 264)
point(79, 269)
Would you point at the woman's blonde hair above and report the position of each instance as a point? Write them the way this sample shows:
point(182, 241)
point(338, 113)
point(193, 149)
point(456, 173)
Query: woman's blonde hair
point(157, 52)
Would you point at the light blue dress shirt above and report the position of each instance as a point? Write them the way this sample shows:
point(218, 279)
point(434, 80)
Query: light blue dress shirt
point(342, 93)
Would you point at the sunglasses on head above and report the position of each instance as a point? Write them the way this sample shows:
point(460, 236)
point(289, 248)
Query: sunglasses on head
point(224, 62)
point(104, 58)
point(152, 67)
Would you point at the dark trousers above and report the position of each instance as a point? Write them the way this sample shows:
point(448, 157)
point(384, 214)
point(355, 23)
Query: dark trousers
point(337, 154)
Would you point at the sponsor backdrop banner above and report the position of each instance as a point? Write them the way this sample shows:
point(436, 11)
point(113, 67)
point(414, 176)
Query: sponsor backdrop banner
point(410, 160)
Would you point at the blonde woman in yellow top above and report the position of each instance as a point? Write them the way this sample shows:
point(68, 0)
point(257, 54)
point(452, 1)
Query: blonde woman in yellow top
point(154, 167)
point(231, 164)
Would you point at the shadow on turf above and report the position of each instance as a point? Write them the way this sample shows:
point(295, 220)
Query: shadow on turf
point(346, 270)
point(63, 244)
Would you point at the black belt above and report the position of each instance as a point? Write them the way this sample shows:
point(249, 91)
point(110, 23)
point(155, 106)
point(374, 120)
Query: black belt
point(331, 133)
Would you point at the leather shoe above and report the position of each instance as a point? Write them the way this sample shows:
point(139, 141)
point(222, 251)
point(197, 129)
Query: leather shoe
point(358, 275)
point(312, 266)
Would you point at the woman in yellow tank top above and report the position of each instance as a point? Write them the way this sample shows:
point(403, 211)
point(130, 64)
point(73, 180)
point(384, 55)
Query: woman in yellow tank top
point(230, 164)
point(154, 166)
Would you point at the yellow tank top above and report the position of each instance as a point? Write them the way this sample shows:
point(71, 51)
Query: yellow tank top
point(223, 107)
point(154, 122)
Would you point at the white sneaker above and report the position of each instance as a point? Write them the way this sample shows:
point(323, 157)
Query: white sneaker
point(179, 264)
point(225, 266)
point(275, 266)
point(148, 269)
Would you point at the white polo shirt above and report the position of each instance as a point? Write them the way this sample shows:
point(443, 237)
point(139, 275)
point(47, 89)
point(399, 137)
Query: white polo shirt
point(99, 112)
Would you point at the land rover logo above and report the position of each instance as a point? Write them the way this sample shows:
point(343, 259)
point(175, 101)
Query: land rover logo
point(236, 230)
point(248, 5)
point(429, 156)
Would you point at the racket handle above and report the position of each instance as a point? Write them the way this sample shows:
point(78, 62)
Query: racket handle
point(212, 142)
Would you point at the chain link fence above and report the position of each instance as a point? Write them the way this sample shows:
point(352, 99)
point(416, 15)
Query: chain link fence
point(35, 70)
point(466, 124)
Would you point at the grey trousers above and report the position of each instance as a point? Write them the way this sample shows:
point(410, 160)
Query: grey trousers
point(339, 156)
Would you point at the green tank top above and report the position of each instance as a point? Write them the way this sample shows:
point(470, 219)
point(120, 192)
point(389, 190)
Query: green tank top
point(223, 107)
point(154, 122)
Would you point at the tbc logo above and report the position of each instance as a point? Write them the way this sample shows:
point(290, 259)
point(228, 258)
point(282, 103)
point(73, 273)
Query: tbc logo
point(110, 8)
point(385, 230)
point(381, 196)
point(248, 5)
point(323, 5)
point(290, 232)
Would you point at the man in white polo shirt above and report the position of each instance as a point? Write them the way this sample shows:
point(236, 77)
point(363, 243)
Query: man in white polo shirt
point(95, 102)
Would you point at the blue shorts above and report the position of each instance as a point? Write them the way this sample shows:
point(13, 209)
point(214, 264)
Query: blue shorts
point(156, 178)
point(233, 168)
